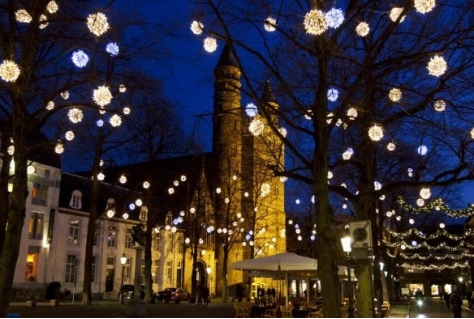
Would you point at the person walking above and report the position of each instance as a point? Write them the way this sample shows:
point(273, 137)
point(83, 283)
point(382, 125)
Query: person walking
point(205, 295)
point(199, 295)
point(469, 298)
point(447, 298)
point(456, 302)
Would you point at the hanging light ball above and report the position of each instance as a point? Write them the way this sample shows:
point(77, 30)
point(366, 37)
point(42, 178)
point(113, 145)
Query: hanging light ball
point(183, 178)
point(334, 18)
point(115, 120)
point(251, 110)
point(315, 22)
point(50, 105)
point(197, 27)
point(256, 127)
point(69, 135)
point(59, 149)
point(65, 95)
point(9, 71)
point(102, 95)
point(395, 95)
point(100, 176)
point(122, 179)
point(425, 193)
point(52, 7)
point(23, 16)
point(75, 115)
point(138, 202)
point(375, 132)
point(112, 48)
point(43, 21)
point(362, 29)
point(270, 24)
point(391, 146)
point(424, 6)
point(437, 66)
point(97, 23)
point(210, 44)
point(440, 105)
point(146, 185)
point(80, 58)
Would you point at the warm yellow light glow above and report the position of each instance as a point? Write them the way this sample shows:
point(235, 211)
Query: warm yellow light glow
point(97, 23)
point(315, 22)
point(9, 71)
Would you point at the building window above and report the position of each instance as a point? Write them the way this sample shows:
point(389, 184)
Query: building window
point(96, 235)
point(39, 194)
point(179, 244)
point(71, 269)
point(93, 261)
point(127, 270)
point(74, 226)
point(128, 238)
point(154, 271)
point(112, 237)
point(76, 200)
point(35, 227)
point(32, 263)
point(156, 242)
point(168, 272)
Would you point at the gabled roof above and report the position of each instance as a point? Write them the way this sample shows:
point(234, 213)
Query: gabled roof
point(181, 174)
point(122, 196)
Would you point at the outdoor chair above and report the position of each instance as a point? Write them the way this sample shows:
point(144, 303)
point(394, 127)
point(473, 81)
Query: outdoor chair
point(316, 314)
point(270, 313)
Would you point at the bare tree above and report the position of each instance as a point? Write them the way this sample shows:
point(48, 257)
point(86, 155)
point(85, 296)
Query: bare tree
point(356, 84)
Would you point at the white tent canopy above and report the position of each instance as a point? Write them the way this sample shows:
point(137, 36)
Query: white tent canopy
point(283, 265)
point(280, 264)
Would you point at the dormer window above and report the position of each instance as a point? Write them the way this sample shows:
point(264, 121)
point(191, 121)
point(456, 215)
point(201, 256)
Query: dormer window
point(76, 200)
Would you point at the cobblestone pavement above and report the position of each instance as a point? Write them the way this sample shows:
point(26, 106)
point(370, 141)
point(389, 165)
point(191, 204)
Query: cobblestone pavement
point(112, 309)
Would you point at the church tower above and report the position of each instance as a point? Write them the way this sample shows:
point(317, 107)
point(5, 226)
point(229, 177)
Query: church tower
point(248, 199)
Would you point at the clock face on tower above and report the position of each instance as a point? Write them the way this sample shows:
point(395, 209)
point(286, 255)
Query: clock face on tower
point(359, 234)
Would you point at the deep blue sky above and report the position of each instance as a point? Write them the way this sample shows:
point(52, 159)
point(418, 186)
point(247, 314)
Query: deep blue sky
point(187, 70)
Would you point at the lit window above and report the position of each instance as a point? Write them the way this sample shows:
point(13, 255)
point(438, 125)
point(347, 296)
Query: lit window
point(112, 237)
point(35, 227)
point(32, 263)
point(39, 194)
point(128, 238)
point(74, 227)
point(71, 269)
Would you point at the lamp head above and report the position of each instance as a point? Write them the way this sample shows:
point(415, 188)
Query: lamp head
point(123, 259)
point(346, 244)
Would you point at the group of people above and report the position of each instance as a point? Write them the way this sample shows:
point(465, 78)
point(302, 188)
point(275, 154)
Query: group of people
point(454, 302)
point(202, 295)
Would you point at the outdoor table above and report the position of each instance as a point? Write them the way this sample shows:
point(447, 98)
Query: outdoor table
point(259, 310)
point(302, 313)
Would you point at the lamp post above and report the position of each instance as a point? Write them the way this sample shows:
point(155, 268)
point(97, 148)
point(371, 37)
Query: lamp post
point(346, 247)
point(123, 261)
point(208, 270)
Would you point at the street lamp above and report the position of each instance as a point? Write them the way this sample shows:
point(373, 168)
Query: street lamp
point(123, 261)
point(346, 247)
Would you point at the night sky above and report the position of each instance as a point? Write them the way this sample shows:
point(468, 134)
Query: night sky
point(187, 70)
